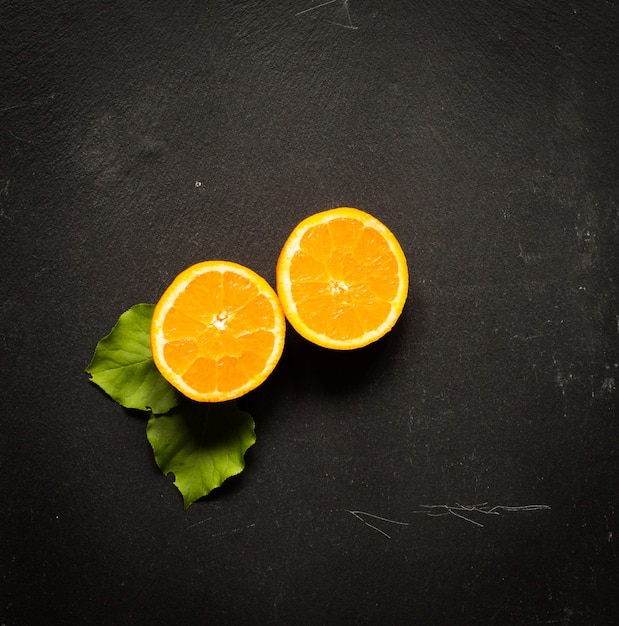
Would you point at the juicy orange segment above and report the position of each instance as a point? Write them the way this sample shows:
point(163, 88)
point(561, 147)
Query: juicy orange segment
point(217, 331)
point(342, 279)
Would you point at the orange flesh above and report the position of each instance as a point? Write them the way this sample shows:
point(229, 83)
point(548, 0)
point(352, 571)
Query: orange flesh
point(218, 333)
point(343, 278)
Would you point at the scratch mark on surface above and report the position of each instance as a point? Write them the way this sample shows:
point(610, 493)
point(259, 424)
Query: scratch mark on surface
point(463, 510)
point(346, 20)
point(232, 531)
point(20, 138)
point(562, 381)
point(23, 105)
point(359, 515)
point(200, 522)
point(524, 337)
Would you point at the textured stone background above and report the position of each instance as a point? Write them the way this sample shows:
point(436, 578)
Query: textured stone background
point(141, 137)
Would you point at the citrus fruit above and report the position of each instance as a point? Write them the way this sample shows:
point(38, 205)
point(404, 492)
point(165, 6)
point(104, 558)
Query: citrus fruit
point(342, 278)
point(218, 331)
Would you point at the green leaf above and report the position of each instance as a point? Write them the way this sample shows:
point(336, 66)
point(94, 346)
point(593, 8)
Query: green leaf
point(202, 444)
point(123, 365)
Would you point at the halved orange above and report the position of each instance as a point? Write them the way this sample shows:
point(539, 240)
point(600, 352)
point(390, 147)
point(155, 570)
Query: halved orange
point(217, 331)
point(342, 278)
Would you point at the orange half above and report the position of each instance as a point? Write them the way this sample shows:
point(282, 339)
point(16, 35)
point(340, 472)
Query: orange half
point(217, 332)
point(342, 279)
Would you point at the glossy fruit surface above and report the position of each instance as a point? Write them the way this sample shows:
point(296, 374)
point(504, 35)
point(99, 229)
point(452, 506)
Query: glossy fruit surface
point(342, 278)
point(218, 331)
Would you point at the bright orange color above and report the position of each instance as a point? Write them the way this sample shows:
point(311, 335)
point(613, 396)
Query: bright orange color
point(217, 332)
point(342, 279)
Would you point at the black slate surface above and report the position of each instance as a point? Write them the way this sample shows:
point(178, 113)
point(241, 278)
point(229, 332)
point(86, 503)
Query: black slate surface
point(140, 137)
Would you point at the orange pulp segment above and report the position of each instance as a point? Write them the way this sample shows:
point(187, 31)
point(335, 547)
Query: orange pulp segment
point(342, 278)
point(217, 332)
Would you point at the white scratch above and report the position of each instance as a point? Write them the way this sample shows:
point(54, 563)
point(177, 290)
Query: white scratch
point(20, 138)
point(459, 510)
point(324, 4)
point(346, 19)
point(524, 337)
point(200, 522)
point(22, 105)
point(462, 511)
point(562, 381)
point(232, 531)
point(359, 514)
